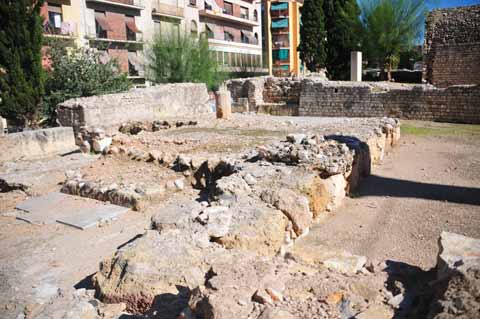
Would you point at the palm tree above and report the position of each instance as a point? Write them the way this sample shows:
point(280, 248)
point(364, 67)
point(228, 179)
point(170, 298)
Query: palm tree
point(390, 27)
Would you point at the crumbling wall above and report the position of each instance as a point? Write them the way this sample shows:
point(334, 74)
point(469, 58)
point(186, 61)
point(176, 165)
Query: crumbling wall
point(36, 144)
point(420, 102)
point(452, 46)
point(146, 104)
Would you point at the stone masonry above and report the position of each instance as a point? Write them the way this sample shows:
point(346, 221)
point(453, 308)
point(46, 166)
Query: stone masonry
point(317, 97)
point(452, 46)
point(148, 104)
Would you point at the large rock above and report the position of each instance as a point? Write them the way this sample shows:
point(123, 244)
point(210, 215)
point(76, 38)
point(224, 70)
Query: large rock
point(457, 254)
point(294, 206)
point(255, 227)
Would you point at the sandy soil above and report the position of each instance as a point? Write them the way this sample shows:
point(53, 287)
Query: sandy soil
point(428, 184)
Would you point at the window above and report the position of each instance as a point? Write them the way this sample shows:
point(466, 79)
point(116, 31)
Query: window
point(256, 38)
point(55, 18)
point(101, 25)
point(227, 8)
point(227, 36)
point(244, 13)
point(210, 31)
point(255, 15)
point(193, 28)
point(130, 26)
point(244, 38)
point(193, 3)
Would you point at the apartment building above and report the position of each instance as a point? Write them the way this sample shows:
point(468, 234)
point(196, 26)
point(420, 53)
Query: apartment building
point(282, 36)
point(122, 29)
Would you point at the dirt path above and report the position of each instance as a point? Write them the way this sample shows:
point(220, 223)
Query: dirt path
point(430, 183)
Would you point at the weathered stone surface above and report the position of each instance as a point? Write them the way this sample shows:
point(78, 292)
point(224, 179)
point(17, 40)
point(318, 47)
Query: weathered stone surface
point(231, 186)
point(341, 261)
point(217, 220)
point(143, 104)
point(294, 206)
point(255, 227)
point(457, 253)
point(99, 145)
point(157, 264)
point(376, 312)
point(36, 144)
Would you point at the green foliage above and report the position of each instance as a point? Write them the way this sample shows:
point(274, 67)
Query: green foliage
point(183, 59)
point(79, 72)
point(343, 27)
point(409, 57)
point(313, 36)
point(21, 74)
point(390, 27)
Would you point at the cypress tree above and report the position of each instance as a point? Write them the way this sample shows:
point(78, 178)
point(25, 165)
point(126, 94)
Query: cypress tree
point(312, 46)
point(21, 73)
point(343, 27)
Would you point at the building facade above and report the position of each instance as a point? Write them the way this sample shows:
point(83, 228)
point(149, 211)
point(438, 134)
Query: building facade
point(122, 29)
point(282, 36)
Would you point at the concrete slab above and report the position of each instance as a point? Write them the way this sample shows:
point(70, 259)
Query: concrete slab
point(66, 209)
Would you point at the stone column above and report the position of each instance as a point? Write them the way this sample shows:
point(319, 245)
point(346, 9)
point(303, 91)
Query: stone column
point(356, 66)
point(224, 104)
point(3, 126)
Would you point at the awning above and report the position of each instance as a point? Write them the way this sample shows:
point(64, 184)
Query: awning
point(133, 27)
point(102, 21)
point(279, 6)
point(282, 23)
point(136, 61)
point(217, 32)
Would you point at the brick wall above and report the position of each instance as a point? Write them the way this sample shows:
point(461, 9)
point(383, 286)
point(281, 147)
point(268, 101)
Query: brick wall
point(452, 46)
point(314, 97)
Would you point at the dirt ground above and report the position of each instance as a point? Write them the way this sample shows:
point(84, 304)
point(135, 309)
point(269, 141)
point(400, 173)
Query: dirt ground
point(428, 184)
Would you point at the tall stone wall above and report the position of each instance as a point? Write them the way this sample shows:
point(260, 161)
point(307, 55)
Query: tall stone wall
point(146, 104)
point(452, 46)
point(420, 102)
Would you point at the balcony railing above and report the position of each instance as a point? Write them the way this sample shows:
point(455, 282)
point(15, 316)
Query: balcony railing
point(168, 8)
point(92, 34)
point(127, 3)
point(67, 29)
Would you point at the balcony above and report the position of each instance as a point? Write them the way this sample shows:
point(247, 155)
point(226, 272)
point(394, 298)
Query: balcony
point(210, 12)
point(101, 36)
point(168, 8)
point(67, 30)
point(134, 4)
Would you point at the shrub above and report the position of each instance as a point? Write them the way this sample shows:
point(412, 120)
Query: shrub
point(184, 58)
point(78, 72)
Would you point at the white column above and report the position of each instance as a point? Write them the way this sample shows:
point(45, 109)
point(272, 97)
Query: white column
point(3, 126)
point(356, 66)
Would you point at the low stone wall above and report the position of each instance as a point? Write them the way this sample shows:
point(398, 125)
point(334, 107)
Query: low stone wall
point(315, 97)
point(36, 144)
point(145, 104)
point(420, 102)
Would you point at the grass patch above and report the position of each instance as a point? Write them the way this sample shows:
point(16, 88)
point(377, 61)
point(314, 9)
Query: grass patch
point(418, 128)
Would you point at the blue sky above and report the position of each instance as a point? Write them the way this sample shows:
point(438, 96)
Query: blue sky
point(432, 4)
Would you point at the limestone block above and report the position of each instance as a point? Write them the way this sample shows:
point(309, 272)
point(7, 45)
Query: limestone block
point(224, 107)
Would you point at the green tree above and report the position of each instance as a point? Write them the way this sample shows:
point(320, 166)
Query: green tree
point(21, 78)
point(313, 36)
point(77, 72)
point(390, 27)
point(343, 26)
point(183, 58)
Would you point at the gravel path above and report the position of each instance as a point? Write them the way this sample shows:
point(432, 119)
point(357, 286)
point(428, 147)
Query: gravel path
point(427, 185)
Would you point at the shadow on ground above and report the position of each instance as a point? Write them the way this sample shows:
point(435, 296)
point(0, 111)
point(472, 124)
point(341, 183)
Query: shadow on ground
point(382, 186)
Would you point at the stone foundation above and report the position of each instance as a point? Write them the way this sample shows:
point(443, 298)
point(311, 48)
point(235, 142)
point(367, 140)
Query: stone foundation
point(37, 144)
point(147, 104)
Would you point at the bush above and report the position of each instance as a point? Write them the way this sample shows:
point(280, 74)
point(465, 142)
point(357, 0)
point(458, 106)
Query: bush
point(79, 72)
point(183, 59)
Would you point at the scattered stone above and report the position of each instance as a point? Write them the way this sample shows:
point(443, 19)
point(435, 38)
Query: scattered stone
point(296, 138)
point(457, 253)
point(99, 145)
point(85, 147)
point(179, 184)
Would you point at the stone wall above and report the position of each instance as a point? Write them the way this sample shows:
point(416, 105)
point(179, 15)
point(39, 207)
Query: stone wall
point(419, 102)
point(146, 104)
point(452, 46)
point(314, 97)
point(36, 144)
